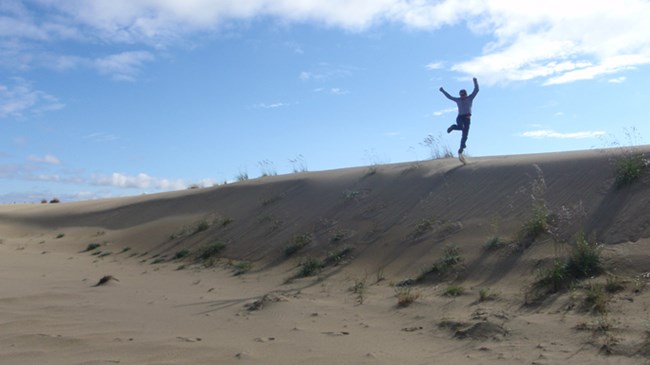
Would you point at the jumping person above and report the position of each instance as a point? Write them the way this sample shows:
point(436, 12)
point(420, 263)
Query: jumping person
point(464, 103)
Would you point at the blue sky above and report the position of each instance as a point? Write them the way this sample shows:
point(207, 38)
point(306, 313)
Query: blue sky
point(123, 97)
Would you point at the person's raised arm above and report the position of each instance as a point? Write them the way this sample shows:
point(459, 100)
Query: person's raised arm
point(475, 91)
point(446, 94)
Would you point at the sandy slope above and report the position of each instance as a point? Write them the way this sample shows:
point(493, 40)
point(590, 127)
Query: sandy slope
point(375, 227)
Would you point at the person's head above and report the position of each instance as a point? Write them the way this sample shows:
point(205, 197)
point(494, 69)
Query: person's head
point(463, 93)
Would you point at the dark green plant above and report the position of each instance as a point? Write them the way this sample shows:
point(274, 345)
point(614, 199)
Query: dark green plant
point(310, 266)
point(242, 267)
point(585, 260)
point(92, 246)
point(337, 256)
point(180, 254)
point(296, 243)
point(449, 260)
point(629, 169)
point(554, 278)
point(454, 290)
point(538, 222)
point(211, 250)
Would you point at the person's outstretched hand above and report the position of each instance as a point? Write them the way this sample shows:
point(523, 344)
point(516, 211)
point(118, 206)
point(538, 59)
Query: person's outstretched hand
point(441, 88)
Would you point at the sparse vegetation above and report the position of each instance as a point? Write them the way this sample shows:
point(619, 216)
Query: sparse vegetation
point(445, 264)
point(596, 299)
point(538, 222)
point(584, 261)
point(180, 254)
point(406, 296)
point(201, 226)
point(453, 290)
point(242, 267)
point(210, 251)
point(436, 148)
point(334, 258)
point(553, 278)
point(92, 246)
point(242, 176)
point(267, 168)
point(494, 244)
point(485, 294)
point(310, 266)
point(629, 169)
point(298, 164)
point(296, 243)
point(60, 235)
point(359, 288)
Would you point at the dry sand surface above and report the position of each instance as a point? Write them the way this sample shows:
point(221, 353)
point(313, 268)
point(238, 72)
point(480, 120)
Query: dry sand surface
point(307, 269)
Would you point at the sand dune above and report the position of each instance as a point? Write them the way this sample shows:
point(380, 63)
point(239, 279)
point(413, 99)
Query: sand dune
point(305, 268)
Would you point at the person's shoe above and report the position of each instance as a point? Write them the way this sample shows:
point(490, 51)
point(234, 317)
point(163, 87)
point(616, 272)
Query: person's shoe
point(451, 128)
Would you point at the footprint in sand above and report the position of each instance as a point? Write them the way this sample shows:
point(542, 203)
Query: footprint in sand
point(264, 339)
point(189, 339)
point(341, 333)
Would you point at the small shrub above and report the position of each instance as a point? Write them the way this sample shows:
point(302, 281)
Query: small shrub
point(310, 266)
point(180, 254)
point(454, 290)
point(585, 259)
point(201, 226)
point(493, 244)
point(92, 246)
point(242, 267)
point(596, 299)
point(554, 278)
point(296, 243)
point(359, 288)
point(211, 250)
point(614, 284)
point(629, 169)
point(406, 296)
point(158, 260)
point(446, 263)
point(485, 294)
point(423, 226)
point(55, 201)
point(537, 224)
point(337, 256)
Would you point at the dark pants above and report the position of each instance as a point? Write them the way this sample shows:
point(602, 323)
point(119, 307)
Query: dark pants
point(462, 124)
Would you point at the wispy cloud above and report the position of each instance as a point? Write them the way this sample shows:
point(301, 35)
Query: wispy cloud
point(47, 159)
point(20, 97)
point(444, 111)
point(548, 133)
point(435, 65)
point(271, 105)
point(123, 66)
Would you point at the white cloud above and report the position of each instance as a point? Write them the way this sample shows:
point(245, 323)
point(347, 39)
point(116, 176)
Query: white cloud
point(555, 41)
point(547, 133)
point(47, 159)
point(139, 181)
point(21, 97)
